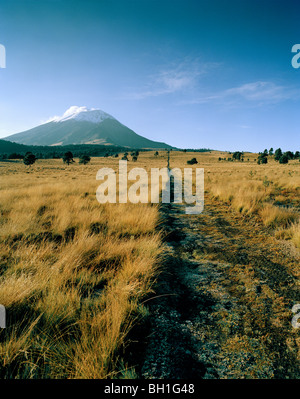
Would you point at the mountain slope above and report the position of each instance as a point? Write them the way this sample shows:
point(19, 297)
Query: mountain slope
point(80, 125)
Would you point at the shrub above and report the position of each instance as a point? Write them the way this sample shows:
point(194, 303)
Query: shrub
point(278, 154)
point(262, 158)
point(84, 159)
point(284, 159)
point(68, 157)
point(237, 155)
point(29, 158)
point(266, 182)
point(289, 154)
point(192, 161)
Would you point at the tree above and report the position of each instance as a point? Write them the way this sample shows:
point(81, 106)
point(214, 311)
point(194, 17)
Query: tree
point(262, 158)
point(124, 158)
point(278, 154)
point(290, 154)
point(284, 159)
point(237, 155)
point(271, 151)
point(68, 157)
point(156, 154)
point(297, 155)
point(29, 158)
point(134, 158)
point(84, 159)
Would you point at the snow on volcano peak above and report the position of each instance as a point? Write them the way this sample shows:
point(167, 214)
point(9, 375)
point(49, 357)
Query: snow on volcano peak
point(92, 115)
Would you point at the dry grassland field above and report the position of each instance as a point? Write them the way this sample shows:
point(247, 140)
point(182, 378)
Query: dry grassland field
point(142, 290)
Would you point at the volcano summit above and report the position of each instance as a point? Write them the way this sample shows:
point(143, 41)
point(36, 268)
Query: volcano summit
point(80, 125)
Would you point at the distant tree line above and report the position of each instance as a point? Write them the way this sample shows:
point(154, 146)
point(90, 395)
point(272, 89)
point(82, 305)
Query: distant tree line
point(9, 150)
point(196, 150)
point(279, 156)
point(236, 156)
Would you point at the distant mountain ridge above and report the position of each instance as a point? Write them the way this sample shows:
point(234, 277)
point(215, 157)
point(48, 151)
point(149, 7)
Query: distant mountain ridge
point(80, 125)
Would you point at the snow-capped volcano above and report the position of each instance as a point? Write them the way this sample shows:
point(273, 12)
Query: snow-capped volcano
point(80, 125)
point(82, 114)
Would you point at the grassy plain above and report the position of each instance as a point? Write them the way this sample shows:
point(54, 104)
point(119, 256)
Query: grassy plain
point(74, 273)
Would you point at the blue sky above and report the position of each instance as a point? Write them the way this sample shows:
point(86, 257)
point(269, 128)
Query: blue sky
point(194, 74)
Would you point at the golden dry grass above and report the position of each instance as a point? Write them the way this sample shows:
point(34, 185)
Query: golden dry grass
point(268, 192)
point(74, 272)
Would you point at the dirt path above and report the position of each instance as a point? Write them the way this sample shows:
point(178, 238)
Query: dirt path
point(226, 296)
